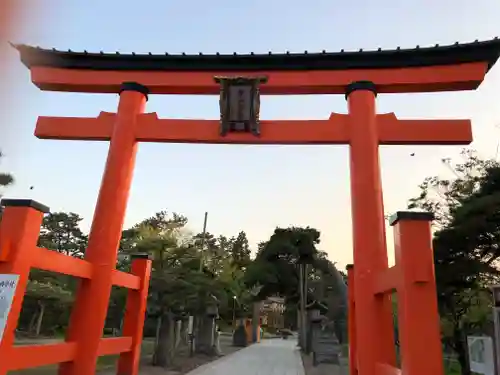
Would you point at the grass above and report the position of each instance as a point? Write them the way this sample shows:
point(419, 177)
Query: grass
point(103, 363)
point(452, 367)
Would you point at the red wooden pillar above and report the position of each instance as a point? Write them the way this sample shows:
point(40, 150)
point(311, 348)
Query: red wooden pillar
point(19, 231)
point(419, 328)
point(351, 321)
point(135, 312)
point(91, 305)
point(374, 324)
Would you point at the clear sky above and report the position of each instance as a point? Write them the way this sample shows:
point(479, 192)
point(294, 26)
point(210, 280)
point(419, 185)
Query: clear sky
point(251, 188)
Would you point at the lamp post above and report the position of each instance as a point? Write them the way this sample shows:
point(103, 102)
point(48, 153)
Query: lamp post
point(201, 297)
point(202, 245)
point(234, 312)
point(314, 314)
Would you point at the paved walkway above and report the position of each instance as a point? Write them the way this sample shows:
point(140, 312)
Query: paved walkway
point(270, 357)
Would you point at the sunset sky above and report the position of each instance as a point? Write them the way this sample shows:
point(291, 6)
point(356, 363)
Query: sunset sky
point(250, 188)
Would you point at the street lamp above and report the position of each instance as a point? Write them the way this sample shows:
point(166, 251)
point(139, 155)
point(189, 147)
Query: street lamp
point(234, 311)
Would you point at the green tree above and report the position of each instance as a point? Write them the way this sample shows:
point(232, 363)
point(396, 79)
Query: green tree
point(330, 287)
point(49, 295)
point(289, 265)
point(240, 251)
point(178, 287)
point(466, 244)
point(6, 179)
point(61, 232)
point(213, 251)
point(275, 267)
point(51, 298)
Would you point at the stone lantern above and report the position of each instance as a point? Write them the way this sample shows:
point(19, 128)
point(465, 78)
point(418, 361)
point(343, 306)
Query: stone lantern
point(495, 290)
point(212, 310)
point(207, 336)
point(315, 311)
point(496, 294)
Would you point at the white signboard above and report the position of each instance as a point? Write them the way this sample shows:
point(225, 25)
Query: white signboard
point(481, 355)
point(8, 284)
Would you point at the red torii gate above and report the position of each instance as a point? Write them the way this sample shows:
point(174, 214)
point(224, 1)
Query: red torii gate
point(358, 75)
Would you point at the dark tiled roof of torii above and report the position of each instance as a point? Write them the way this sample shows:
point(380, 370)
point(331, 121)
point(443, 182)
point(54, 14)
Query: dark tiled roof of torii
point(478, 51)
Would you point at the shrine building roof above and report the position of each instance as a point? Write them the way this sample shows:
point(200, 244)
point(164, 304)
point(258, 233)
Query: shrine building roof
point(458, 53)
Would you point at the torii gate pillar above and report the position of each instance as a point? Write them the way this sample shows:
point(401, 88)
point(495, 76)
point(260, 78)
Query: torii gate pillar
point(374, 320)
